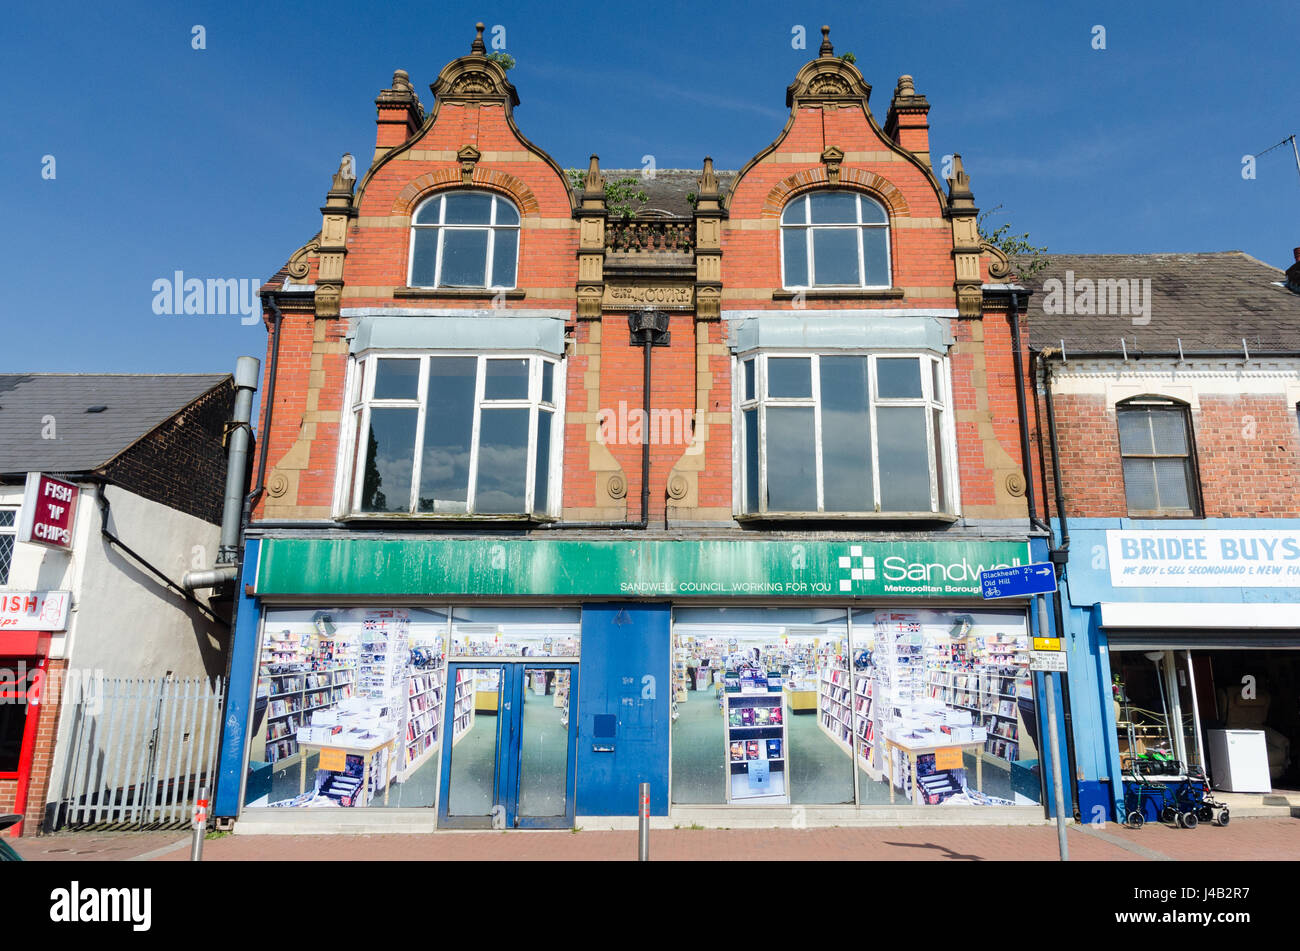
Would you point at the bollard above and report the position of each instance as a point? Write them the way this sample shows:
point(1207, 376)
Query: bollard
point(643, 822)
point(200, 824)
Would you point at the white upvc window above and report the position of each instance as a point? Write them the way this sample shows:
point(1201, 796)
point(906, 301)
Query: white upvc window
point(451, 433)
point(464, 239)
point(8, 533)
point(834, 239)
point(844, 433)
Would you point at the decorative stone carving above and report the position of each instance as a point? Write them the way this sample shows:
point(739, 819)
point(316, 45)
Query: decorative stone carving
point(299, 267)
point(678, 487)
point(468, 157)
point(1015, 484)
point(277, 485)
point(616, 486)
point(832, 158)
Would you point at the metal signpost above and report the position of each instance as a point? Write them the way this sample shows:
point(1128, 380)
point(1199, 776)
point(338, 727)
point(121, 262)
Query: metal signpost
point(1047, 656)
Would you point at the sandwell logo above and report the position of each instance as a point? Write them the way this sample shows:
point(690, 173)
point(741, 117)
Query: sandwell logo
point(861, 567)
point(75, 904)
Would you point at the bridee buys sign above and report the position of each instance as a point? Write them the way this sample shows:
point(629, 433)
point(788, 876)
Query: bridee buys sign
point(1204, 559)
point(49, 511)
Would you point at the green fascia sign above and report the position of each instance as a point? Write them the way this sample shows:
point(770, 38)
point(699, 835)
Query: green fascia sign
point(632, 569)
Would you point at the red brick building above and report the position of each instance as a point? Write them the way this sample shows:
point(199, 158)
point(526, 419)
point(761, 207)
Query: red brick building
point(457, 414)
point(1169, 396)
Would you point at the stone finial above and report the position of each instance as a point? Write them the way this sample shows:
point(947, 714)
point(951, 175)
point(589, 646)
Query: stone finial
point(960, 197)
point(477, 46)
point(346, 176)
point(402, 81)
point(826, 48)
point(708, 181)
point(904, 87)
point(595, 184)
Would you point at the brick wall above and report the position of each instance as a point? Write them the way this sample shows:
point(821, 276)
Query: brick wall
point(1247, 450)
point(43, 754)
point(182, 463)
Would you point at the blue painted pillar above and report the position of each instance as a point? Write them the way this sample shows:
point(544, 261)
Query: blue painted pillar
point(626, 674)
point(239, 690)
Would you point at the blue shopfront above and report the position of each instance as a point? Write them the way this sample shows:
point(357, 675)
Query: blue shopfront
point(1184, 644)
point(531, 682)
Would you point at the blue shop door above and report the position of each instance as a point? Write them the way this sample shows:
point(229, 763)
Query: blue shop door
point(508, 746)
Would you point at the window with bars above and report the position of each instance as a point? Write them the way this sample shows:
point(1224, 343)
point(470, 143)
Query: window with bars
point(1155, 446)
point(8, 523)
point(834, 239)
point(845, 433)
point(456, 434)
point(464, 239)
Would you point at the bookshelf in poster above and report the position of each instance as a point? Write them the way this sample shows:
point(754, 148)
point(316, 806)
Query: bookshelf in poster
point(755, 746)
point(835, 706)
point(462, 709)
point(562, 695)
point(424, 690)
point(300, 674)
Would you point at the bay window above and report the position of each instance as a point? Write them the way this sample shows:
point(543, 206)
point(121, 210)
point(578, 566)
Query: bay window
point(456, 434)
point(845, 433)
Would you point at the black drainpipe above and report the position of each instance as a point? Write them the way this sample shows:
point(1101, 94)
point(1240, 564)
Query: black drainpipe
point(268, 395)
point(653, 329)
point(1025, 457)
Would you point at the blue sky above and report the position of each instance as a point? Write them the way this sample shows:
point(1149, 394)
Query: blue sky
point(215, 162)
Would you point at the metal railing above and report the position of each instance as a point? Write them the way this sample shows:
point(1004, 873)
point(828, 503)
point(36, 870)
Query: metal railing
point(139, 753)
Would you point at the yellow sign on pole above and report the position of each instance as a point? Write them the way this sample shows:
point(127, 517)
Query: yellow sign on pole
point(1047, 643)
point(333, 760)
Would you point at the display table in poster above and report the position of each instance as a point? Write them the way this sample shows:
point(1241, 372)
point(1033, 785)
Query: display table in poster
point(366, 751)
point(912, 752)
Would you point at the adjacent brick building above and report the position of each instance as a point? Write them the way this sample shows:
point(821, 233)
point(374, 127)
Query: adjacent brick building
point(1174, 385)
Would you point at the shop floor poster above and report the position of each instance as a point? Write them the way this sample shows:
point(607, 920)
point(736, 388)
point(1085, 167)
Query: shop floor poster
point(758, 775)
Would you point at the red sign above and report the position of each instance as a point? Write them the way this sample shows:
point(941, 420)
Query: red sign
point(49, 507)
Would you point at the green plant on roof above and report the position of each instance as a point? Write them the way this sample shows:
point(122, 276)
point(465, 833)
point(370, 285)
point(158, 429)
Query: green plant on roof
point(1026, 259)
point(504, 60)
point(848, 57)
point(619, 193)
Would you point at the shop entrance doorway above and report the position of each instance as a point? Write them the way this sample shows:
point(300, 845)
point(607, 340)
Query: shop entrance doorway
point(508, 746)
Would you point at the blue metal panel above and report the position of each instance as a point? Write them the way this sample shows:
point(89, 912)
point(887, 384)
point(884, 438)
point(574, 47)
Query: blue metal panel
point(847, 330)
point(444, 332)
point(627, 672)
point(239, 691)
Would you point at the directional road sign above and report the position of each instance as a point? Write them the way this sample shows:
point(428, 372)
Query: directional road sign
point(1018, 581)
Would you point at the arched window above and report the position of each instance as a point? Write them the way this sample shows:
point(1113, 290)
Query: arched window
point(835, 239)
point(464, 239)
point(1155, 444)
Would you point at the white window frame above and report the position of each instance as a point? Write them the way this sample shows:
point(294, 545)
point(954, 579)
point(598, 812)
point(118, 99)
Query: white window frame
point(951, 506)
point(360, 389)
point(442, 228)
point(10, 531)
point(807, 226)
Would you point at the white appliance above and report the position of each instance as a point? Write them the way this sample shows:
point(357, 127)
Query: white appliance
point(1239, 760)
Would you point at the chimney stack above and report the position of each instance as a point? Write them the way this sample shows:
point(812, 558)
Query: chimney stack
point(400, 114)
point(908, 121)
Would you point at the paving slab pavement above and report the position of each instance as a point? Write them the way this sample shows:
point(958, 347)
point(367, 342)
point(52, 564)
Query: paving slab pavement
point(1262, 839)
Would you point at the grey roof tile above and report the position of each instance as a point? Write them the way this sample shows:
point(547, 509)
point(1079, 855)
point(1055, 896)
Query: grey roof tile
point(1210, 301)
point(34, 404)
